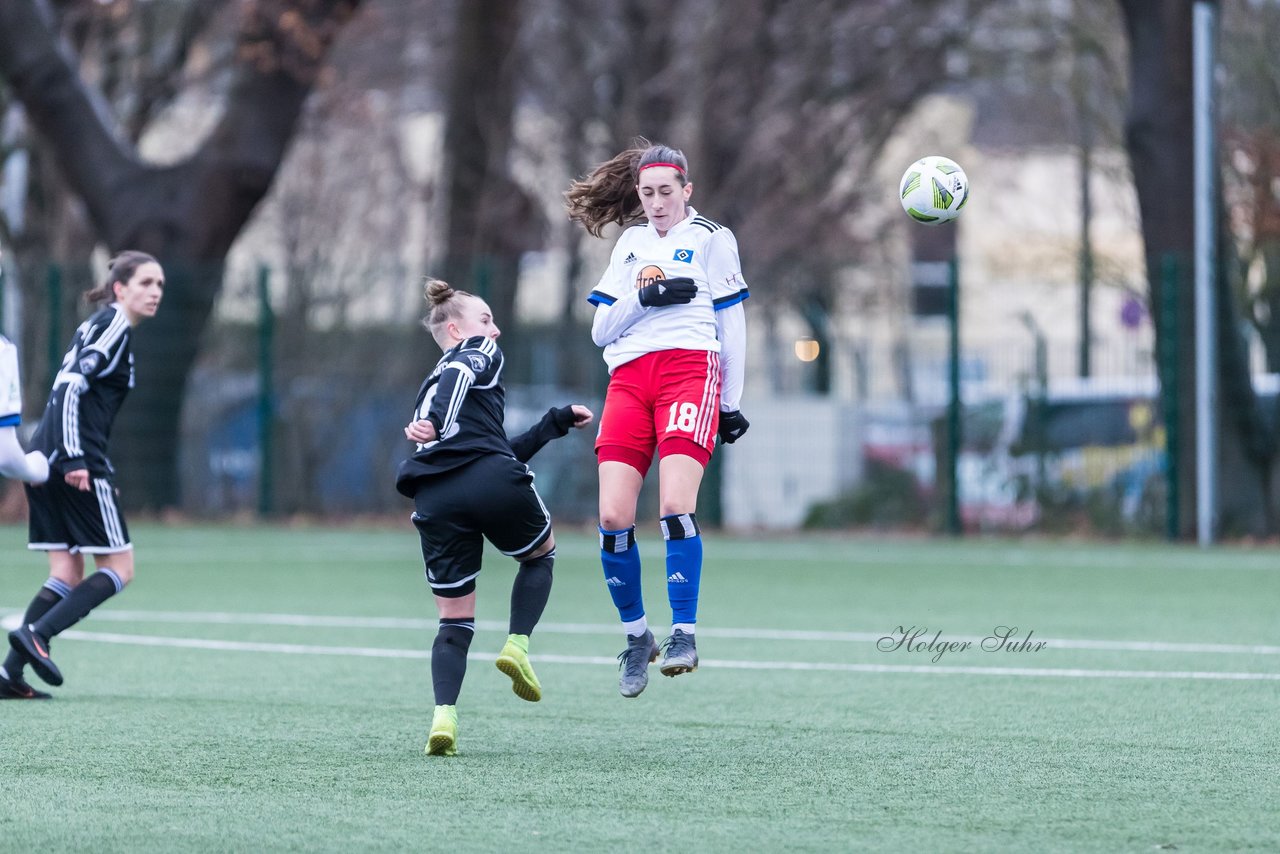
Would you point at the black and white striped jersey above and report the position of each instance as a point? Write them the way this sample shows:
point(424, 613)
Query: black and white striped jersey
point(464, 398)
point(91, 385)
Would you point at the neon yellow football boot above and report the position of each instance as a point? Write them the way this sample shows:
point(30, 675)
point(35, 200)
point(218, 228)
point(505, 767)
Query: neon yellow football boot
point(443, 740)
point(514, 662)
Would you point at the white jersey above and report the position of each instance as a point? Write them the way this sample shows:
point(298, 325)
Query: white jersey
point(10, 388)
point(695, 247)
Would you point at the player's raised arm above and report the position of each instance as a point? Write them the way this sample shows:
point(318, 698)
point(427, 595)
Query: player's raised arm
point(555, 424)
point(14, 462)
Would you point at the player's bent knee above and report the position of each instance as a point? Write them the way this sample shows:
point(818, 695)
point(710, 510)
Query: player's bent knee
point(616, 520)
point(457, 607)
point(547, 546)
point(121, 565)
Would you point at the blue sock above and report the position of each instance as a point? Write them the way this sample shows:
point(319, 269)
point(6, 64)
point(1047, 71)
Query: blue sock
point(620, 557)
point(684, 565)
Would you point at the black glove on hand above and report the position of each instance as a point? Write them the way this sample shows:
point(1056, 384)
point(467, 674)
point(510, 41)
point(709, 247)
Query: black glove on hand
point(668, 292)
point(732, 426)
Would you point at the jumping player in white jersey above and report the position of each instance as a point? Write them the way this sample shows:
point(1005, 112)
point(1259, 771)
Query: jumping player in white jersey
point(469, 483)
point(76, 512)
point(31, 467)
point(669, 316)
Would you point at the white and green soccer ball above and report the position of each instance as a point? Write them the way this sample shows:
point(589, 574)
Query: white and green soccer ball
point(934, 190)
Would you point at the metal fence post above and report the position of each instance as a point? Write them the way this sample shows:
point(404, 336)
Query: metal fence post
point(1168, 370)
point(54, 284)
point(954, 525)
point(266, 392)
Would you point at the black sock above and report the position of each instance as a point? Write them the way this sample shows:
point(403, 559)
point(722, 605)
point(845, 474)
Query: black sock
point(53, 592)
point(86, 596)
point(530, 592)
point(449, 658)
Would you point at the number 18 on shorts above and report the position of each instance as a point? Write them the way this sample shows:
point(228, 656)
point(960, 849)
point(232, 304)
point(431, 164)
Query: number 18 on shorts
point(668, 400)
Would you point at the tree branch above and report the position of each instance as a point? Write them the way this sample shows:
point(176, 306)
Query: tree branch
point(71, 117)
point(280, 54)
point(159, 85)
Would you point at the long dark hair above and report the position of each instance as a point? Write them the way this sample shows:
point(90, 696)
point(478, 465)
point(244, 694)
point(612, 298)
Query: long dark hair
point(608, 194)
point(120, 269)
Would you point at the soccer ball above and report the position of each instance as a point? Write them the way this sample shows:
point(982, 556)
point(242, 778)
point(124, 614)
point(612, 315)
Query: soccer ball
point(934, 190)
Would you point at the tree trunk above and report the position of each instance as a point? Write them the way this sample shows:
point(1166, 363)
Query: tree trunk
point(187, 215)
point(147, 431)
point(1159, 134)
point(491, 222)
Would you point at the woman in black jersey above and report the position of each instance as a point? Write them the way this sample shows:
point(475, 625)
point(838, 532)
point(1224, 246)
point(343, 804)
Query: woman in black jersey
point(77, 512)
point(469, 482)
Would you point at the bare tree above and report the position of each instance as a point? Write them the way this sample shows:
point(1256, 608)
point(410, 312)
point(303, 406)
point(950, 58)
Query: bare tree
point(1159, 133)
point(187, 213)
point(491, 221)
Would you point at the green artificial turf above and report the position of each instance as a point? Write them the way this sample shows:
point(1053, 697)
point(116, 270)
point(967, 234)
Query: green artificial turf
point(798, 733)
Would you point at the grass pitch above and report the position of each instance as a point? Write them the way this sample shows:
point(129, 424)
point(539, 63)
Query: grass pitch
point(268, 689)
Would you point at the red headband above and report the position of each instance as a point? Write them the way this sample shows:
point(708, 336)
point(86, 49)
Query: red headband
point(674, 166)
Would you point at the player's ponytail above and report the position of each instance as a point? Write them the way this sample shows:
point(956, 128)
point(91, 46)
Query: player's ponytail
point(608, 194)
point(120, 269)
point(444, 302)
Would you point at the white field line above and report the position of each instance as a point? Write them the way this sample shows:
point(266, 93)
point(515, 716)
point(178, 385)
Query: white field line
point(419, 624)
point(378, 652)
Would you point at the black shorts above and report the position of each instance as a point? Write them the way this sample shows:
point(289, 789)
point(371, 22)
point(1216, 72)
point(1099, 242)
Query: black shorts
point(61, 518)
point(454, 512)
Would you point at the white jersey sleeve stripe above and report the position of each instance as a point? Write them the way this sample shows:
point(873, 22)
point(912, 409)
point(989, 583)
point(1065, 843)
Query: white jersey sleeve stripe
point(465, 378)
point(71, 421)
point(111, 335)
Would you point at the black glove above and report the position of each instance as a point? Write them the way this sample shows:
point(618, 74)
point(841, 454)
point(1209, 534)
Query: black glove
point(668, 292)
point(732, 426)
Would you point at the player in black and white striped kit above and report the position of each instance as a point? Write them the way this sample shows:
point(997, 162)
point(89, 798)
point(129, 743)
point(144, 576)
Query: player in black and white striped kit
point(76, 512)
point(469, 482)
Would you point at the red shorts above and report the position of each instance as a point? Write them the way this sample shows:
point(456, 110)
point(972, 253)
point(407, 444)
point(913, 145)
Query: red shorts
point(669, 400)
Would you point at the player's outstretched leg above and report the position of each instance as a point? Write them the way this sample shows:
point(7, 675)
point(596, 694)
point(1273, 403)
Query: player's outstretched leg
point(443, 740)
point(35, 649)
point(16, 688)
point(514, 662)
point(529, 594)
point(634, 663)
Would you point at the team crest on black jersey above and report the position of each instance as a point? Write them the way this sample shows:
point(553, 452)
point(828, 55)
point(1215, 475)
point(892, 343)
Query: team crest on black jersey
point(649, 275)
point(477, 362)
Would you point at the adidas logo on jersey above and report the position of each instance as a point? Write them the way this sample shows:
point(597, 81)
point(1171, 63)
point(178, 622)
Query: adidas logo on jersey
point(614, 581)
point(630, 259)
point(677, 578)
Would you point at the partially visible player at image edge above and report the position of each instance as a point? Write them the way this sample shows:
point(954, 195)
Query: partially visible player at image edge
point(469, 482)
point(77, 512)
point(669, 316)
point(31, 467)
